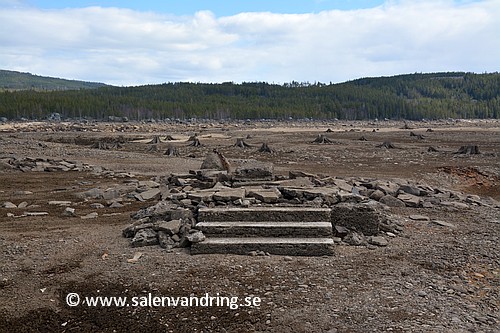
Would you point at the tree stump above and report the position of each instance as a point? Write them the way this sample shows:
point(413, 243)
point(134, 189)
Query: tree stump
point(432, 150)
point(195, 143)
point(169, 138)
point(193, 137)
point(430, 130)
point(362, 138)
point(322, 139)
point(100, 145)
point(387, 145)
point(155, 140)
point(171, 151)
point(329, 130)
point(469, 150)
point(265, 148)
point(153, 148)
point(240, 142)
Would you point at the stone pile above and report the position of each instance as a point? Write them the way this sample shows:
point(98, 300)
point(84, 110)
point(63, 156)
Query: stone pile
point(360, 208)
point(27, 164)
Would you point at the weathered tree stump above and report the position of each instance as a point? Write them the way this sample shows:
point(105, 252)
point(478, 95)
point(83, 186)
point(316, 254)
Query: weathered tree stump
point(322, 139)
point(265, 148)
point(155, 140)
point(171, 151)
point(329, 130)
point(430, 130)
point(153, 148)
point(100, 145)
point(193, 137)
point(432, 150)
point(469, 150)
point(363, 138)
point(418, 136)
point(169, 138)
point(195, 143)
point(387, 145)
point(240, 142)
point(406, 126)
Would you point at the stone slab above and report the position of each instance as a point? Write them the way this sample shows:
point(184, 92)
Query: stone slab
point(274, 214)
point(276, 246)
point(266, 229)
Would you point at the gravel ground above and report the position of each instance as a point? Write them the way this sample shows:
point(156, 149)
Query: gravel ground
point(431, 279)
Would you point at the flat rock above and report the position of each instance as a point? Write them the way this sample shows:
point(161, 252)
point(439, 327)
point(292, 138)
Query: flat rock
point(145, 237)
point(205, 196)
point(229, 194)
point(264, 195)
point(391, 201)
point(378, 241)
point(35, 213)
point(92, 215)
point(149, 183)
point(8, 204)
point(60, 203)
point(149, 194)
point(69, 211)
point(169, 227)
point(443, 224)
point(410, 200)
point(419, 218)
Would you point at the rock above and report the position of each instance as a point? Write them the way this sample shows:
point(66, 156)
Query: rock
point(391, 201)
point(145, 237)
point(410, 200)
point(148, 195)
point(378, 240)
point(265, 195)
point(419, 218)
point(355, 239)
point(35, 213)
point(343, 185)
point(149, 184)
point(110, 194)
point(196, 237)
point(376, 195)
point(287, 258)
point(97, 205)
point(60, 203)
point(410, 190)
point(165, 240)
point(205, 196)
point(212, 161)
point(116, 204)
point(92, 215)
point(170, 227)
point(69, 211)
point(254, 170)
point(228, 195)
point(23, 204)
point(8, 204)
point(94, 193)
point(443, 224)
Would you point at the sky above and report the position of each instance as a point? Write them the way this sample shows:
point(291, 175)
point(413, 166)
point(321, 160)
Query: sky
point(129, 42)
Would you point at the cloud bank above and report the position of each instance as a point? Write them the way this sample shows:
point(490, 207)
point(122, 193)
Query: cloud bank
point(125, 47)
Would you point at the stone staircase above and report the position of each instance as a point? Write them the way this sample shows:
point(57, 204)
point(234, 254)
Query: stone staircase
point(299, 231)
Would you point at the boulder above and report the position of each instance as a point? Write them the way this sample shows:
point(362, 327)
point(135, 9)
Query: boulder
point(169, 227)
point(362, 218)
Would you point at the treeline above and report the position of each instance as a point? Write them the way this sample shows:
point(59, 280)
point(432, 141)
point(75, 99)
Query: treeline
point(412, 96)
point(12, 80)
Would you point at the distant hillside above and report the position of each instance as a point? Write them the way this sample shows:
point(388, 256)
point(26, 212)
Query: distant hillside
point(11, 80)
point(409, 96)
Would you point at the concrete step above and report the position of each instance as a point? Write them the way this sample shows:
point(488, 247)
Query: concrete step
point(266, 229)
point(278, 246)
point(274, 214)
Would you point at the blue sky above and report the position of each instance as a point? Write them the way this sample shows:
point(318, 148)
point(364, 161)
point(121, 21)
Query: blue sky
point(146, 42)
point(218, 7)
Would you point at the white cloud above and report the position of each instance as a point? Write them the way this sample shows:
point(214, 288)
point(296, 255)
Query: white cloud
point(125, 47)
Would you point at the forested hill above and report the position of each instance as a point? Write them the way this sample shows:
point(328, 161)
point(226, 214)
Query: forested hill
point(412, 96)
point(11, 80)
